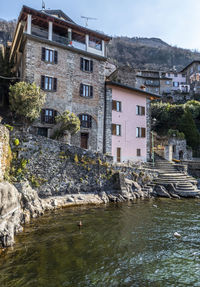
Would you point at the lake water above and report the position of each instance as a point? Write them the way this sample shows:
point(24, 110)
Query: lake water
point(128, 244)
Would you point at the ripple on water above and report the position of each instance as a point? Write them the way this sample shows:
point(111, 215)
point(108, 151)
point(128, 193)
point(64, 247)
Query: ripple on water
point(118, 245)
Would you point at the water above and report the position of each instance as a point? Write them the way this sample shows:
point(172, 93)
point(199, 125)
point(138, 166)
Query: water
point(118, 245)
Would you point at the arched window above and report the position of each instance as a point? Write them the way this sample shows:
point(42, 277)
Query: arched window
point(48, 116)
point(86, 120)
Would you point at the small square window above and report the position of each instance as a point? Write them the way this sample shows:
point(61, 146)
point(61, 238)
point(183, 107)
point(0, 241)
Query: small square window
point(138, 152)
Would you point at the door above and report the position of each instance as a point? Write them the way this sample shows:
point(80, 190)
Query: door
point(118, 154)
point(84, 140)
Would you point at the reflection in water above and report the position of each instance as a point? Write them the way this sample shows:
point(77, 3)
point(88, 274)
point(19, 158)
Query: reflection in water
point(117, 245)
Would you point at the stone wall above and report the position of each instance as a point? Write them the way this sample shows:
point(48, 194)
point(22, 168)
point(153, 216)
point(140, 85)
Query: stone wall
point(69, 77)
point(4, 150)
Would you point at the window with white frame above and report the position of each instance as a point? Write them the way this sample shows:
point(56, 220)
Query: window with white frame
point(140, 110)
point(49, 55)
point(116, 106)
point(86, 65)
point(140, 132)
point(86, 91)
point(116, 130)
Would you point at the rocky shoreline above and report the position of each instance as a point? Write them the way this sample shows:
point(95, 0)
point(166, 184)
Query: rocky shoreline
point(45, 175)
point(20, 203)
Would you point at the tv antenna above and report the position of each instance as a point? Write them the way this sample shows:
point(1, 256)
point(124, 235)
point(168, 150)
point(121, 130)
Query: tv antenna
point(86, 20)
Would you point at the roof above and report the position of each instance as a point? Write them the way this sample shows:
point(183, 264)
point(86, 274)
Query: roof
point(66, 21)
point(195, 61)
point(60, 14)
point(133, 89)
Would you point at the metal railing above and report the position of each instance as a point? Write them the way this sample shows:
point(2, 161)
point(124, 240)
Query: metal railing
point(42, 33)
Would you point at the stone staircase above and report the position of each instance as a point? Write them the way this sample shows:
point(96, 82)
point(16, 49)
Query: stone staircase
point(174, 181)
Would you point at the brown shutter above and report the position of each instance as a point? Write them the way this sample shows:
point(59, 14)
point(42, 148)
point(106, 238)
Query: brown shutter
point(43, 54)
point(143, 111)
point(55, 57)
point(81, 90)
point(55, 84)
point(114, 105)
point(91, 66)
point(138, 152)
point(42, 82)
point(81, 64)
point(113, 129)
point(91, 91)
point(143, 132)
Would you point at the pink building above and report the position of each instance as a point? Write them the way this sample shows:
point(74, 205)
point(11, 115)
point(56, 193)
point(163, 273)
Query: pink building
point(130, 122)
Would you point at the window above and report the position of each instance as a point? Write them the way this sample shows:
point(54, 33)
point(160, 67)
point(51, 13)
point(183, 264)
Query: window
point(50, 56)
point(116, 130)
point(175, 75)
point(118, 154)
point(138, 152)
point(86, 91)
point(116, 106)
point(48, 83)
point(168, 74)
point(174, 148)
point(86, 120)
point(175, 84)
point(140, 110)
point(43, 132)
point(140, 132)
point(86, 65)
point(48, 116)
point(95, 43)
point(167, 82)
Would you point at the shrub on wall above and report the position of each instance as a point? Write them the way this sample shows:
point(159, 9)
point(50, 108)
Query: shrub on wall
point(26, 101)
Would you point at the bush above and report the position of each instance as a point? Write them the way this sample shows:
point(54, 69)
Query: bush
point(176, 133)
point(26, 101)
point(68, 122)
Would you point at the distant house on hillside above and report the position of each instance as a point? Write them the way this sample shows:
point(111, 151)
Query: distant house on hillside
point(131, 122)
point(149, 79)
point(192, 72)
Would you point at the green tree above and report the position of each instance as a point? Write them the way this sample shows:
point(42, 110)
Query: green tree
point(188, 127)
point(6, 75)
point(26, 101)
point(69, 124)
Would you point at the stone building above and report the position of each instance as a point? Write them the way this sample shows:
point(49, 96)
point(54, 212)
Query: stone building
point(192, 72)
point(149, 79)
point(69, 62)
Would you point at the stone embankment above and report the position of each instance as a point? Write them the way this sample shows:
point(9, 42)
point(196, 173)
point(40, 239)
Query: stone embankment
point(48, 174)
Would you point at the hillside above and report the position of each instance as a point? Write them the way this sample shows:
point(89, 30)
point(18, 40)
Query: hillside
point(6, 30)
point(149, 53)
point(142, 53)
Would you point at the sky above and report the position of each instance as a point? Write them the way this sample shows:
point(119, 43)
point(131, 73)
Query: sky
point(176, 22)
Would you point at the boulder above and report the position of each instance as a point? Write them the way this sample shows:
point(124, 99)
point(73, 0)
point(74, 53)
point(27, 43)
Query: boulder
point(30, 200)
point(10, 213)
point(161, 191)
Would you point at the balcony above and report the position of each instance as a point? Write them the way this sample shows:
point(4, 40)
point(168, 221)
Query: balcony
point(152, 83)
point(42, 33)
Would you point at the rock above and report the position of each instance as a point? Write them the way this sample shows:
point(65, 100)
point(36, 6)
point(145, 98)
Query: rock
point(161, 191)
point(104, 196)
point(10, 213)
point(177, 235)
point(70, 199)
point(30, 200)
